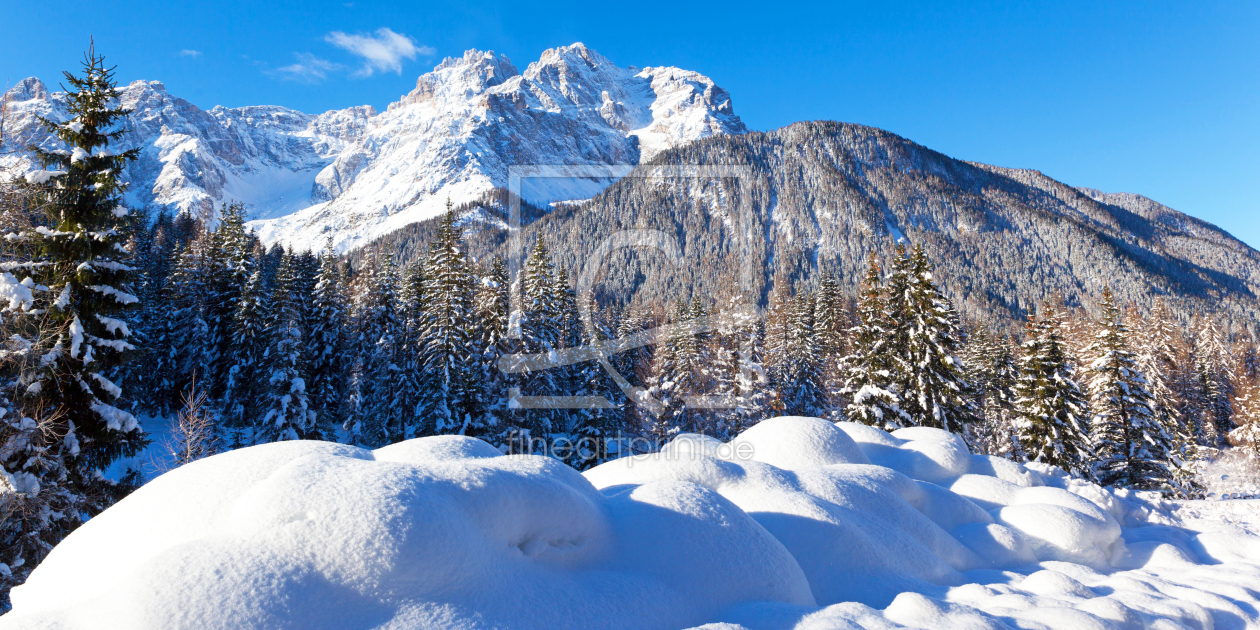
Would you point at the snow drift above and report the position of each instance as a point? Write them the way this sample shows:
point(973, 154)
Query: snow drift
point(797, 523)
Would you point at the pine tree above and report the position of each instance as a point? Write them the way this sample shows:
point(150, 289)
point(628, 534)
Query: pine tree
point(802, 384)
point(993, 371)
point(327, 351)
point(447, 355)
point(63, 423)
point(492, 305)
point(1213, 367)
point(1052, 414)
point(246, 376)
point(288, 413)
point(934, 389)
point(1131, 448)
point(84, 270)
point(874, 398)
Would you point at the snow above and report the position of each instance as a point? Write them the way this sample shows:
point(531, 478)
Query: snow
point(795, 524)
point(18, 294)
point(356, 174)
point(39, 177)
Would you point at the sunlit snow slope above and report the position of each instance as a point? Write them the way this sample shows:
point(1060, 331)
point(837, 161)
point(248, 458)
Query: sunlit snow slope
point(797, 523)
point(352, 175)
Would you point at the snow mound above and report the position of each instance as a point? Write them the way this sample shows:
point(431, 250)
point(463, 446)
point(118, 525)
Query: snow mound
point(796, 523)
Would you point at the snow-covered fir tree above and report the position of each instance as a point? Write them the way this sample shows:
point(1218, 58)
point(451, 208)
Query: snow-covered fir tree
point(448, 358)
point(1246, 407)
point(934, 390)
point(1213, 367)
point(68, 283)
point(387, 416)
point(1158, 359)
point(1052, 413)
point(992, 369)
point(492, 304)
point(593, 428)
point(230, 266)
point(831, 330)
point(1131, 449)
point(869, 386)
point(802, 384)
point(288, 414)
point(738, 354)
point(80, 276)
point(246, 378)
point(327, 350)
point(676, 373)
point(538, 325)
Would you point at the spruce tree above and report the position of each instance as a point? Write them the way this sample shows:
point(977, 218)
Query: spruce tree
point(934, 390)
point(869, 386)
point(1213, 365)
point(1131, 448)
point(1052, 413)
point(993, 370)
point(288, 415)
point(62, 422)
point(802, 386)
point(327, 349)
point(82, 274)
point(447, 358)
point(246, 378)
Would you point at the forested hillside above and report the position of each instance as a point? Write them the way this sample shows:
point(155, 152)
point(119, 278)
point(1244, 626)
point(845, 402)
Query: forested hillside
point(823, 196)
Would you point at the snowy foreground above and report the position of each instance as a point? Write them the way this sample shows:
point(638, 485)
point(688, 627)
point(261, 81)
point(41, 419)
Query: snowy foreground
point(824, 526)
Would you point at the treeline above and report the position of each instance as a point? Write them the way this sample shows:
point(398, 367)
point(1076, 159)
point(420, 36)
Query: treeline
point(290, 345)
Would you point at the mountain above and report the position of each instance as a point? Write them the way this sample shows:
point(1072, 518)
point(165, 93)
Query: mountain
point(816, 195)
point(823, 195)
point(356, 174)
point(190, 159)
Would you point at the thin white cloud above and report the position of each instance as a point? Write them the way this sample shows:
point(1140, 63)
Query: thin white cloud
point(382, 52)
point(308, 69)
point(188, 52)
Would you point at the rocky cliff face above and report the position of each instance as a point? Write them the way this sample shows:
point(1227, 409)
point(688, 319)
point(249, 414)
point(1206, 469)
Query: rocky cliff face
point(456, 135)
point(353, 175)
point(192, 159)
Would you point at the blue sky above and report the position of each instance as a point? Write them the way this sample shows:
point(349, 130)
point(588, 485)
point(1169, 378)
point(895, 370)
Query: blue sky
point(1158, 98)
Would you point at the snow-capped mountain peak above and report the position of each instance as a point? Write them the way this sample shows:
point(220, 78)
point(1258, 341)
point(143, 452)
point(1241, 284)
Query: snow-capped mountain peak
point(470, 119)
point(356, 174)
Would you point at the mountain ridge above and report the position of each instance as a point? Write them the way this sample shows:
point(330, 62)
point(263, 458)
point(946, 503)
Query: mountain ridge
point(823, 195)
point(354, 174)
